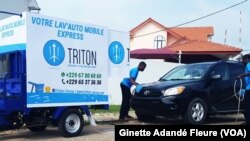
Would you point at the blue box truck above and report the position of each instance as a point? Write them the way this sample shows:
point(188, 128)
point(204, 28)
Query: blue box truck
point(51, 70)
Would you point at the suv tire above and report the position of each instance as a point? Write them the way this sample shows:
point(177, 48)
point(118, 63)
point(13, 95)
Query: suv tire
point(196, 112)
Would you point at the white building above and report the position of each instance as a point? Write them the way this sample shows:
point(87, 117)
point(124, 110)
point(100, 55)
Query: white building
point(152, 35)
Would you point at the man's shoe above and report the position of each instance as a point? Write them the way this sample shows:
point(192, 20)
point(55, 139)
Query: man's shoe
point(123, 120)
point(129, 117)
point(245, 123)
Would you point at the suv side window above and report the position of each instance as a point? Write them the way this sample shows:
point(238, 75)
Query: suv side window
point(221, 70)
point(235, 70)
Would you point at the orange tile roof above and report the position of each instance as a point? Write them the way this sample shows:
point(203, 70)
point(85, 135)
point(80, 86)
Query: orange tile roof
point(204, 47)
point(194, 33)
point(181, 41)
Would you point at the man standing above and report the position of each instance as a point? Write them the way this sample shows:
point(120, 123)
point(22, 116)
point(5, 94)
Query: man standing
point(246, 75)
point(126, 84)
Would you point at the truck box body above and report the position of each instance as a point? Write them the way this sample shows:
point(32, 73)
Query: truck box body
point(65, 63)
point(51, 70)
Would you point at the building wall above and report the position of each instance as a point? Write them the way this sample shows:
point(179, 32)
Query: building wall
point(146, 42)
point(155, 69)
point(14, 6)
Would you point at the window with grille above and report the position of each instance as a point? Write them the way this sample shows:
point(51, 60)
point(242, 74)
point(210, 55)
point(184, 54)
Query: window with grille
point(159, 42)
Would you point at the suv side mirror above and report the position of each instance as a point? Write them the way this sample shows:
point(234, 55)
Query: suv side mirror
point(216, 77)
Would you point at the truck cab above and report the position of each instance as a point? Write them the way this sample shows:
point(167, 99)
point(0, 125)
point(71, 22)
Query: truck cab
point(12, 78)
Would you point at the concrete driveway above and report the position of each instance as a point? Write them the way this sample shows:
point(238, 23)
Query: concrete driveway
point(104, 131)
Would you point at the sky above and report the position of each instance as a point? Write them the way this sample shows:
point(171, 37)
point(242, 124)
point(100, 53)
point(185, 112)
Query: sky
point(124, 15)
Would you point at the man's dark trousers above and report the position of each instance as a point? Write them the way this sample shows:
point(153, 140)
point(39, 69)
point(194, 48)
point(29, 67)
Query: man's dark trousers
point(247, 106)
point(126, 96)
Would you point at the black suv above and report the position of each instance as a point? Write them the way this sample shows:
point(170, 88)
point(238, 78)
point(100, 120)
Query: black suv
point(193, 91)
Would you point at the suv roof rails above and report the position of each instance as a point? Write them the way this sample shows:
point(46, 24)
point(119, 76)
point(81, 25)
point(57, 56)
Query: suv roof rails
point(231, 61)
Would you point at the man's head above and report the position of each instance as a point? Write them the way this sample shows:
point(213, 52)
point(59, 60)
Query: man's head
point(246, 59)
point(142, 66)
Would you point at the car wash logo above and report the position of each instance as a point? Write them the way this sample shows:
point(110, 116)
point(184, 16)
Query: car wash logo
point(116, 52)
point(53, 52)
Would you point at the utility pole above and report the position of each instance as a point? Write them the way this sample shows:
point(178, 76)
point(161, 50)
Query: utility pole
point(225, 39)
point(240, 45)
point(180, 53)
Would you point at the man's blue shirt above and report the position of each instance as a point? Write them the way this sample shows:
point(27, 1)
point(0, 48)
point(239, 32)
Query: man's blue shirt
point(132, 74)
point(247, 78)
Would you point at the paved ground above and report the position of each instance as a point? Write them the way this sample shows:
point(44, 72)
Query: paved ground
point(212, 120)
point(90, 133)
point(104, 131)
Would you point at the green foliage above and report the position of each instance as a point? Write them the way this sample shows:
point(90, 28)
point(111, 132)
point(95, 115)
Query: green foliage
point(112, 109)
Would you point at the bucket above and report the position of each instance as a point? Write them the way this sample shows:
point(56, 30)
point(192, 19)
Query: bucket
point(47, 89)
point(39, 88)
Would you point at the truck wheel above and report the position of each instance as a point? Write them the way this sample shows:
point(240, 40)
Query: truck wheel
point(71, 123)
point(39, 128)
point(196, 112)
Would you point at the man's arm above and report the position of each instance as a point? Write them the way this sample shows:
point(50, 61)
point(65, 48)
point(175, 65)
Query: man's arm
point(243, 75)
point(133, 82)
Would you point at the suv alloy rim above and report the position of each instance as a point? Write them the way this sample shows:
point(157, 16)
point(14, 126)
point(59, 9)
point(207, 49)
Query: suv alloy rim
point(197, 112)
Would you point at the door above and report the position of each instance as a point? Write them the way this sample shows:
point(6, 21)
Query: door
point(221, 90)
point(12, 81)
point(235, 70)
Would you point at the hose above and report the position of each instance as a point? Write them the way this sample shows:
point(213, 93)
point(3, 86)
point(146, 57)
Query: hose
point(239, 95)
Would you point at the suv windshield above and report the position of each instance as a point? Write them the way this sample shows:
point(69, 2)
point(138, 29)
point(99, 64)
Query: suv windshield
point(187, 72)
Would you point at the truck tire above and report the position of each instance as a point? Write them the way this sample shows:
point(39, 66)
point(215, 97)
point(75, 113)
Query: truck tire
point(196, 112)
point(39, 128)
point(71, 123)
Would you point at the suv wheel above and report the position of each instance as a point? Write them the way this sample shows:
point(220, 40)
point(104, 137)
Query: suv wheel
point(143, 117)
point(196, 112)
